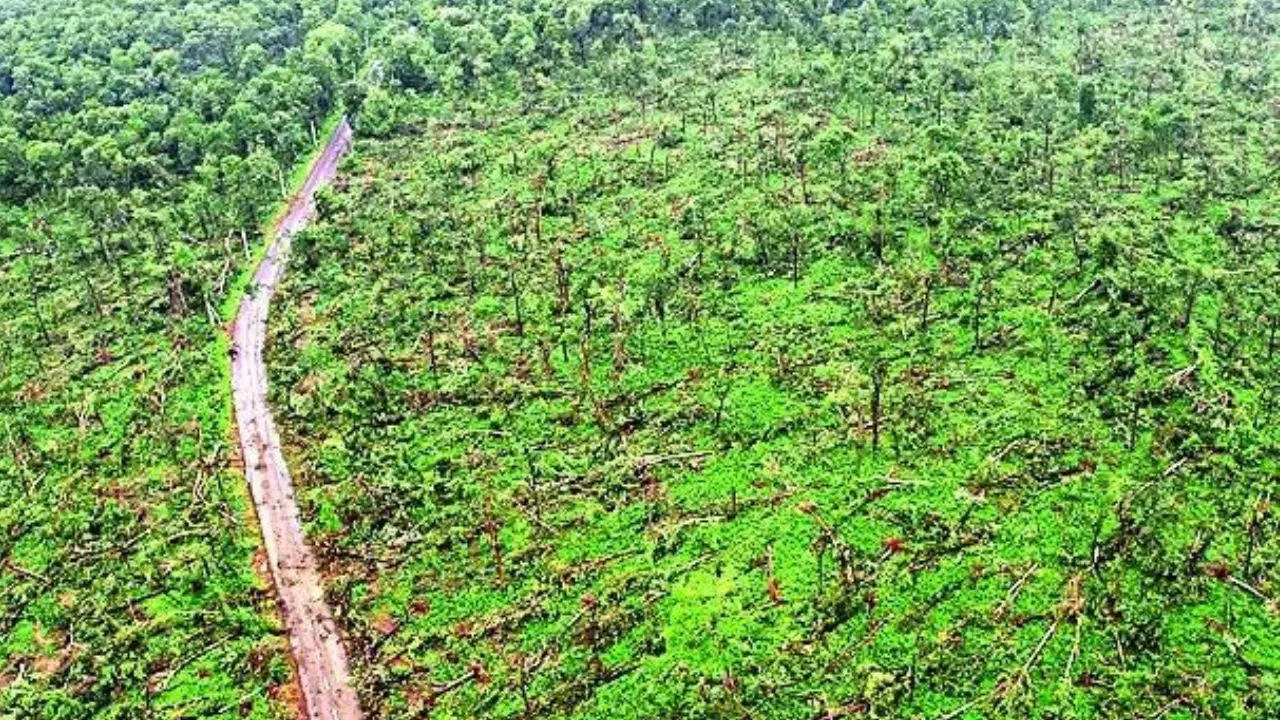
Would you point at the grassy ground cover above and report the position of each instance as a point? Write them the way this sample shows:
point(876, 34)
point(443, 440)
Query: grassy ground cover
point(732, 383)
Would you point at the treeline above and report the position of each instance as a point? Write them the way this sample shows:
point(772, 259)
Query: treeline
point(134, 94)
point(534, 45)
point(457, 47)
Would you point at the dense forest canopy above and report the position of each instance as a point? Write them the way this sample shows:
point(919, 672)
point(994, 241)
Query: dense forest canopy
point(136, 94)
point(897, 358)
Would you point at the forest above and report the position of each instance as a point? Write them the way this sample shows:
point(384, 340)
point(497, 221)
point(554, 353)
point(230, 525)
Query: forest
point(646, 359)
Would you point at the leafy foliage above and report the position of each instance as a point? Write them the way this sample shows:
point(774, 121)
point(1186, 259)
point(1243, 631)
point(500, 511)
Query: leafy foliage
point(923, 368)
point(654, 359)
point(122, 95)
point(141, 146)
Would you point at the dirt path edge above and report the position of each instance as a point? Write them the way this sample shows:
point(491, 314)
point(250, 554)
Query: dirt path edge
point(321, 661)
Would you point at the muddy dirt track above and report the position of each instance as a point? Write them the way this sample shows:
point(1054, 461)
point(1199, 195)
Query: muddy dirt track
point(327, 693)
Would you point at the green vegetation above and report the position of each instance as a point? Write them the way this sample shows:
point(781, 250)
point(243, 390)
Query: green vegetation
point(141, 147)
point(901, 359)
point(916, 362)
point(116, 95)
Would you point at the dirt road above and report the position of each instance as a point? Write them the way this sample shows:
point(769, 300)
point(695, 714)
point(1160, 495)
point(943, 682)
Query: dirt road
point(327, 693)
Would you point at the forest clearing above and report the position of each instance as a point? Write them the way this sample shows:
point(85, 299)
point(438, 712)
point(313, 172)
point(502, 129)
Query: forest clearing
point(892, 359)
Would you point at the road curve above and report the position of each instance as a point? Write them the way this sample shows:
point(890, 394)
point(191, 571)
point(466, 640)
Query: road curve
point(327, 693)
